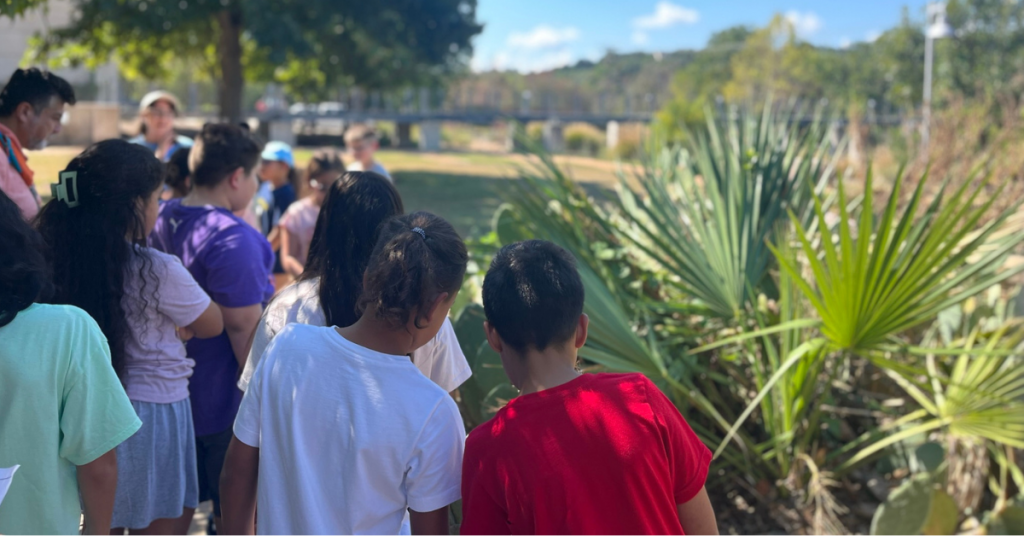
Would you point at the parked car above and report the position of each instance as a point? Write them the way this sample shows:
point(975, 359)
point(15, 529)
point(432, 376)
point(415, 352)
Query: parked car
point(325, 108)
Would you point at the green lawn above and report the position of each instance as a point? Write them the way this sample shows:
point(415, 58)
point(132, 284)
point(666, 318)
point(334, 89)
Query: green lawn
point(467, 201)
point(464, 188)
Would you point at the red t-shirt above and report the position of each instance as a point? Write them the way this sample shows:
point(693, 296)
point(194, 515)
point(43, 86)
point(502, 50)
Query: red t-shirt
point(602, 454)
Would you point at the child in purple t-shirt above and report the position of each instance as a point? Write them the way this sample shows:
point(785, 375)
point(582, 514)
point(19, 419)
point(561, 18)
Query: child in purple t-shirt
point(232, 262)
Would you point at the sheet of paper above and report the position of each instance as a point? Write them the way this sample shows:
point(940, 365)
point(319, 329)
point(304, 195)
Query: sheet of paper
point(6, 475)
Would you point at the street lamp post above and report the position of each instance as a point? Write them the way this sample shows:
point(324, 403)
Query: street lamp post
point(937, 28)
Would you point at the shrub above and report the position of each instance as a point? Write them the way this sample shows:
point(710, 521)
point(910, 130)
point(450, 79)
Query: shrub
point(584, 139)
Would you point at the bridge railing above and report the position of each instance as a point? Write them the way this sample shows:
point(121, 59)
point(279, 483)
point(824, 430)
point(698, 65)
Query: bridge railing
point(460, 100)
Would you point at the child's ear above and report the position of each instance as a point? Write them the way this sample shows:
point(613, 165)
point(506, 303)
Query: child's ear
point(493, 338)
point(236, 178)
point(436, 307)
point(581, 331)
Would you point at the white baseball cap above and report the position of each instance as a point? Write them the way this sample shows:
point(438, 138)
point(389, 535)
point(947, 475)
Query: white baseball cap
point(153, 96)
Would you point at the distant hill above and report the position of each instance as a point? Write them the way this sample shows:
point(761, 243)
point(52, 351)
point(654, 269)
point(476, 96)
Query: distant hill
point(643, 78)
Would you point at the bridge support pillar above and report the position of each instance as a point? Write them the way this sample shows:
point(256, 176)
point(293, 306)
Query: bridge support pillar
point(403, 135)
point(430, 136)
point(553, 135)
point(514, 131)
point(611, 133)
point(281, 130)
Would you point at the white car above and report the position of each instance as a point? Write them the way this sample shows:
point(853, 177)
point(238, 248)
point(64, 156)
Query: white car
point(325, 108)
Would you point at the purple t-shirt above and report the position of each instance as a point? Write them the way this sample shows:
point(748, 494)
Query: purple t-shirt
point(232, 262)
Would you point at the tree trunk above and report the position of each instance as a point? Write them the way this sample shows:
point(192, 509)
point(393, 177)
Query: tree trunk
point(229, 49)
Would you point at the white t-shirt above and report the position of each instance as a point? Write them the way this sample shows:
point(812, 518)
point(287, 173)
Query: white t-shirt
point(376, 168)
point(441, 359)
point(349, 438)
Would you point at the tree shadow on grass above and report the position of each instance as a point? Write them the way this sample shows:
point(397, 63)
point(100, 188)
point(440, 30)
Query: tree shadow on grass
point(468, 202)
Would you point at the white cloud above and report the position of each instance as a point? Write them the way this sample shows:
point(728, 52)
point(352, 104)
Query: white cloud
point(805, 24)
point(845, 42)
point(534, 62)
point(666, 14)
point(640, 37)
point(543, 36)
point(524, 61)
point(873, 35)
point(540, 49)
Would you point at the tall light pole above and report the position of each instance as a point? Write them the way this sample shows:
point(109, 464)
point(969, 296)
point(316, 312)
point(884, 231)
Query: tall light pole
point(936, 28)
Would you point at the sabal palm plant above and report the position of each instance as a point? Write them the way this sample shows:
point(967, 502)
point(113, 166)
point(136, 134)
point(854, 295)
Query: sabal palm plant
point(978, 396)
point(894, 275)
point(900, 272)
point(708, 209)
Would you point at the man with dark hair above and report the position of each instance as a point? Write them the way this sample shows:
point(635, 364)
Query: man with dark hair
point(31, 107)
point(232, 262)
point(573, 453)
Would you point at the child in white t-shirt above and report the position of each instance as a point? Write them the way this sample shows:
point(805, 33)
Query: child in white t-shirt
point(343, 431)
point(362, 143)
point(355, 208)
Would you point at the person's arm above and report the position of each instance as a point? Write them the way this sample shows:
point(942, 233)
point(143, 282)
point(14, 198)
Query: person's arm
point(14, 186)
point(238, 488)
point(290, 251)
point(697, 516)
point(275, 238)
point(435, 522)
point(240, 322)
point(95, 417)
point(209, 324)
point(185, 302)
point(97, 481)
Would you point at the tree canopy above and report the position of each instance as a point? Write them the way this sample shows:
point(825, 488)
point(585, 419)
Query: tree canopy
point(310, 46)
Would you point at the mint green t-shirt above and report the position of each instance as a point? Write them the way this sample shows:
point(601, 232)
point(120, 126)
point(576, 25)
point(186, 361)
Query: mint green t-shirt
point(61, 405)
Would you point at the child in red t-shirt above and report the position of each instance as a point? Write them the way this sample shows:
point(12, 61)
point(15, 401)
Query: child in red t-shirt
point(573, 453)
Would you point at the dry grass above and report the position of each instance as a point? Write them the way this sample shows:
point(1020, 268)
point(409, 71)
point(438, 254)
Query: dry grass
point(48, 163)
point(968, 144)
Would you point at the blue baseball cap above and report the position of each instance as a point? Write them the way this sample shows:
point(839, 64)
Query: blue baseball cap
point(278, 151)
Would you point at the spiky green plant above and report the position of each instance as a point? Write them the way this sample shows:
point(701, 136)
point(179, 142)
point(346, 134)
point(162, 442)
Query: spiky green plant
point(895, 274)
point(898, 272)
point(708, 210)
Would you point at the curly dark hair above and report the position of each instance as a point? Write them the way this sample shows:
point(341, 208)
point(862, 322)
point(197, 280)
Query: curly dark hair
point(346, 230)
point(24, 277)
point(417, 257)
point(93, 246)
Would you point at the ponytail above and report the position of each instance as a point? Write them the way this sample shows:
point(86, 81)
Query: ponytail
point(417, 258)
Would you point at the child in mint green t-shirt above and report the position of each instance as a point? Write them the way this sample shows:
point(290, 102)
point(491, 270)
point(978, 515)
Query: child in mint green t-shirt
point(64, 410)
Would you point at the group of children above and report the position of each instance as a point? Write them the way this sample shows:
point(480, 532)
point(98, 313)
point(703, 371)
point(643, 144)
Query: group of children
point(147, 365)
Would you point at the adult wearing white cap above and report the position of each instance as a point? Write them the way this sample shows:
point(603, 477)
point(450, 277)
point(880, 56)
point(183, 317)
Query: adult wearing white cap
point(158, 110)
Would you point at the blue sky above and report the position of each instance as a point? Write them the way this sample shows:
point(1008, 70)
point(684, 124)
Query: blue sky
point(532, 35)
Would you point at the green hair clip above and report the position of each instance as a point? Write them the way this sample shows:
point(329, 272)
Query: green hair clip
point(66, 189)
